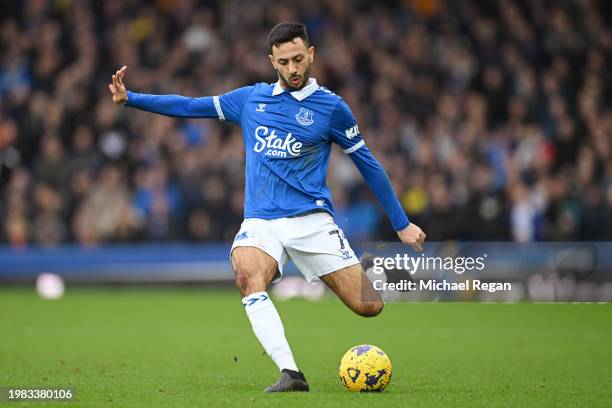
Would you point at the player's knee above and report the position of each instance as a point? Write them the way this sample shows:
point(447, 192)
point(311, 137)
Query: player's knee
point(242, 281)
point(241, 272)
point(371, 309)
point(247, 280)
point(248, 284)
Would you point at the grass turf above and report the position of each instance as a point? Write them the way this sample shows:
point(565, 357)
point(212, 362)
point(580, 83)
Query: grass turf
point(177, 348)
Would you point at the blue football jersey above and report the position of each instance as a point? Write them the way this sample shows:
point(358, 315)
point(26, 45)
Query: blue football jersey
point(287, 140)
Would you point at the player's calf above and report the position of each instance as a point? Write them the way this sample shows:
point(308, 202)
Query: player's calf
point(356, 291)
point(254, 271)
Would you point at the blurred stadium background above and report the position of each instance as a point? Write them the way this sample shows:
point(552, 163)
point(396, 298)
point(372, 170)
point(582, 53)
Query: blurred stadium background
point(492, 118)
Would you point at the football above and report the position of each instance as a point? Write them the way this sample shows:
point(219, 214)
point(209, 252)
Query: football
point(365, 368)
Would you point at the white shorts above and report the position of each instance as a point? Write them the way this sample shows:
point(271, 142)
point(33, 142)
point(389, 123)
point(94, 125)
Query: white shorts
point(314, 242)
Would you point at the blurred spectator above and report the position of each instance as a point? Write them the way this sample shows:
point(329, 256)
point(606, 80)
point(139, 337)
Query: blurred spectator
point(106, 212)
point(493, 119)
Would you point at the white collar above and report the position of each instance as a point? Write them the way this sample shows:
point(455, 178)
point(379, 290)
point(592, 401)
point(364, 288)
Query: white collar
point(300, 95)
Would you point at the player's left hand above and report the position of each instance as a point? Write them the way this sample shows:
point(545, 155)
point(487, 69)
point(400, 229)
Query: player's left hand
point(117, 87)
point(412, 235)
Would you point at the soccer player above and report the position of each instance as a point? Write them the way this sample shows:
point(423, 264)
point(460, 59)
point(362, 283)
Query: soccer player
point(288, 128)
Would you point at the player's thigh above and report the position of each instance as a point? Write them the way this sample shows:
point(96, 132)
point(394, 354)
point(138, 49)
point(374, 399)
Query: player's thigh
point(254, 269)
point(355, 289)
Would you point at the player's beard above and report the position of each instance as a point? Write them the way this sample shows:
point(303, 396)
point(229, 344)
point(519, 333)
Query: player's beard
point(302, 83)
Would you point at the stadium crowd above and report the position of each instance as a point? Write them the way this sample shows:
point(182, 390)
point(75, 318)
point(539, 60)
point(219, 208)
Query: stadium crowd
point(493, 119)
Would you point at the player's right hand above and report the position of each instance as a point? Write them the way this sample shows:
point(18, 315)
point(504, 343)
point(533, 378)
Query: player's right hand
point(117, 88)
point(412, 235)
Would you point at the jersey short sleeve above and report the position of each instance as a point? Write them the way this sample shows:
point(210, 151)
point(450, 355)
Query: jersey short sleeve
point(344, 130)
point(229, 106)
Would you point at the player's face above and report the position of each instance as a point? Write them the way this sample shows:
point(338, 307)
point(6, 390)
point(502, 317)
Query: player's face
point(292, 60)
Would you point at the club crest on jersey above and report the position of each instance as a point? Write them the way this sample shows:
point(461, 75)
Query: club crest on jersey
point(304, 117)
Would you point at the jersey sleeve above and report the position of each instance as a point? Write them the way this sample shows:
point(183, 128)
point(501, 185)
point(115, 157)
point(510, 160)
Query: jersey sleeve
point(229, 106)
point(344, 130)
point(173, 105)
point(225, 107)
point(378, 181)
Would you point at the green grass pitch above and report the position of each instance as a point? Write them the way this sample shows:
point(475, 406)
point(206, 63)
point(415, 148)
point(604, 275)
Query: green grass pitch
point(194, 347)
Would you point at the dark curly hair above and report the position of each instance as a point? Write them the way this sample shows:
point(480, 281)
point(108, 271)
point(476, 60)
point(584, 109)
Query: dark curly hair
point(285, 32)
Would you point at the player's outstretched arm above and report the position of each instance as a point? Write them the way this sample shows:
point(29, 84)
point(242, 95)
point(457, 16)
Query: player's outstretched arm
point(344, 131)
point(378, 181)
point(169, 105)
